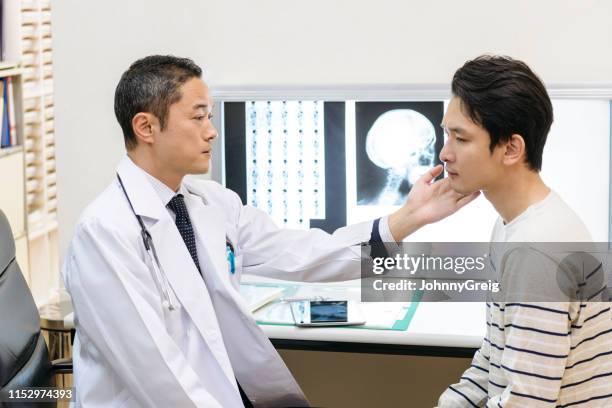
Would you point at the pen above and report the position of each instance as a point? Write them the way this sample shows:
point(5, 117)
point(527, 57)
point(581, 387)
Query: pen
point(230, 256)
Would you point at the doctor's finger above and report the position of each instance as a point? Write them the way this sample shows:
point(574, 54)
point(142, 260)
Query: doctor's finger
point(431, 174)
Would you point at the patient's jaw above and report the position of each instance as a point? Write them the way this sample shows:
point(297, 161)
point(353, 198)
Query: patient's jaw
point(469, 162)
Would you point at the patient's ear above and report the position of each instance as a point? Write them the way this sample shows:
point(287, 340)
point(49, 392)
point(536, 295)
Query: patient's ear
point(143, 125)
point(514, 150)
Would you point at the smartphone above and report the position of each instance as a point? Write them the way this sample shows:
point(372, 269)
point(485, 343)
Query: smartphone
point(311, 313)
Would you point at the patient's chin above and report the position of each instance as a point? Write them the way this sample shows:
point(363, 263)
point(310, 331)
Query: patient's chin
point(462, 189)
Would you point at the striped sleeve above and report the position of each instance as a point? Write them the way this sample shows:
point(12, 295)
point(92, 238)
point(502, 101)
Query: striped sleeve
point(536, 333)
point(471, 390)
point(534, 358)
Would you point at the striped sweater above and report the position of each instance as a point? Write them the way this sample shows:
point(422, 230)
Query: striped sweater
point(539, 354)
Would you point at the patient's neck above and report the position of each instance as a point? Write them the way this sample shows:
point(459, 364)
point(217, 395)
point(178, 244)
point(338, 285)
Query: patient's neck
point(515, 192)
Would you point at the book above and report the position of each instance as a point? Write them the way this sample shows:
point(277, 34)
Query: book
point(259, 296)
point(2, 30)
point(11, 112)
point(5, 132)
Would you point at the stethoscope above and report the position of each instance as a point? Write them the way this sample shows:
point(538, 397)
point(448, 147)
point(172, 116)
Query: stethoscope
point(158, 271)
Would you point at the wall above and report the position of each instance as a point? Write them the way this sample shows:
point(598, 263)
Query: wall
point(275, 42)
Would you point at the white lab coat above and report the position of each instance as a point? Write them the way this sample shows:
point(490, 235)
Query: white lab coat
point(130, 351)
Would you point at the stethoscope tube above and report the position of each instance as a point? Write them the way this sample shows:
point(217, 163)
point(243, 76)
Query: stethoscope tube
point(147, 240)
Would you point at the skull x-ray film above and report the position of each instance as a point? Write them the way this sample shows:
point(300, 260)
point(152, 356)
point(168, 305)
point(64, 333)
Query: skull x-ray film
point(396, 143)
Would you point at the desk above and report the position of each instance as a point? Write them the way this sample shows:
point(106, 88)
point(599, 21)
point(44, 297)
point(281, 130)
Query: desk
point(437, 329)
point(370, 363)
point(443, 329)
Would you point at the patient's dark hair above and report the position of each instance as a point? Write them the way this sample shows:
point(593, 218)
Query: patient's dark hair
point(151, 84)
point(505, 97)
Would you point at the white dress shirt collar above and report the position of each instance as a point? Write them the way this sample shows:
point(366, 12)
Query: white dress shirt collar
point(164, 192)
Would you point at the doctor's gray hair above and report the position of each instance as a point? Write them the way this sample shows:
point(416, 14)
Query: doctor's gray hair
point(151, 85)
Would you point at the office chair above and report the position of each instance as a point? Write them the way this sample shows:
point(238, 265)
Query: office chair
point(24, 358)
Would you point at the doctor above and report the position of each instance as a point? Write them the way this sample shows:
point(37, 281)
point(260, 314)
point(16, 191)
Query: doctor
point(160, 321)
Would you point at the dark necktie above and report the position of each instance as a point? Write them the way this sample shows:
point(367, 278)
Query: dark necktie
point(183, 223)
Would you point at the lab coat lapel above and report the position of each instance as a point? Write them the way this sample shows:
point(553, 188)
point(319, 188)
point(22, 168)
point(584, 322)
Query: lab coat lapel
point(209, 228)
point(257, 365)
point(189, 288)
point(145, 202)
point(174, 257)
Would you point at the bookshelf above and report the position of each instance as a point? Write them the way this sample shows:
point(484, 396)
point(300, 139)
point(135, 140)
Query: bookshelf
point(12, 163)
point(28, 42)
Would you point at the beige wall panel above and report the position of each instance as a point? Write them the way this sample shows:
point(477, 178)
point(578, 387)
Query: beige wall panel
point(21, 248)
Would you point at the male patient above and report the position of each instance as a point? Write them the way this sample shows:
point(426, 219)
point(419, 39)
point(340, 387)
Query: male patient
point(535, 354)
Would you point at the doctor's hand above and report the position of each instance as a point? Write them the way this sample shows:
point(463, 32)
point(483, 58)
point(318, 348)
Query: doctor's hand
point(428, 201)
